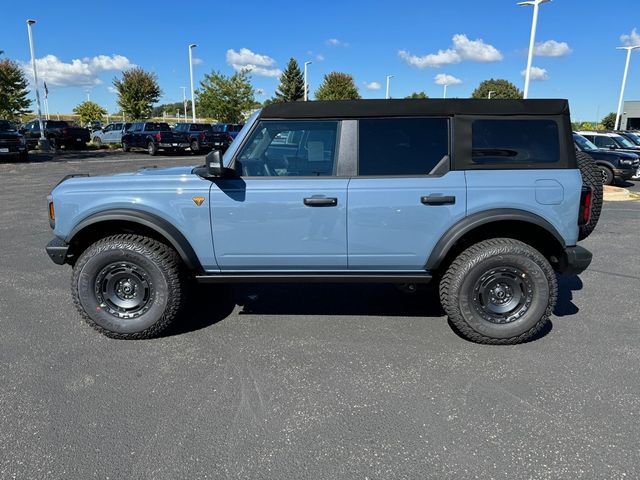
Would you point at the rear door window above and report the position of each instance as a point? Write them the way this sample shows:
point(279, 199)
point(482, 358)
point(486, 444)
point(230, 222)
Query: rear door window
point(402, 146)
point(514, 141)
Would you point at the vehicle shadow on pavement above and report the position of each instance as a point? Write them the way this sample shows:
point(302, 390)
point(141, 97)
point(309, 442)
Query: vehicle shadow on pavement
point(566, 287)
point(211, 303)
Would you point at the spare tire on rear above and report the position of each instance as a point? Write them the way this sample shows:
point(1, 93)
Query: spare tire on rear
point(591, 177)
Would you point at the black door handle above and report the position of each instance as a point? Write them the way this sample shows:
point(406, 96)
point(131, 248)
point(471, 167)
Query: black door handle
point(438, 200)
point(321, 201)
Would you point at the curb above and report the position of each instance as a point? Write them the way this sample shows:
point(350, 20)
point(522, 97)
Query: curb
point(617, 194)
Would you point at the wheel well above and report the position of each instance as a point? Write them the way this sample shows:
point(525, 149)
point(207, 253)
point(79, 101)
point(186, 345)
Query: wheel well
point(533, 235)
point(95, 231)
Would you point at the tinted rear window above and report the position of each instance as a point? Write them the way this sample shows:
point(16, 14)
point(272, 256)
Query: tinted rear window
point(515, 141)
point(57, 124)
point(157, 127)
point(402, 146)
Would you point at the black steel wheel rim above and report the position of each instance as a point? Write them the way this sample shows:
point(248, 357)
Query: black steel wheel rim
point(503, 295)
point(124, 289)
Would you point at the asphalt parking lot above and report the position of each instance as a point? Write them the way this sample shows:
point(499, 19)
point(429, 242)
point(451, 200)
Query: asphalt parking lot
point(308, 381)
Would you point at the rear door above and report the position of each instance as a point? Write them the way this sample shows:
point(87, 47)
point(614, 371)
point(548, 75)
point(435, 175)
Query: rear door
point(287, 210)
point(404, 197)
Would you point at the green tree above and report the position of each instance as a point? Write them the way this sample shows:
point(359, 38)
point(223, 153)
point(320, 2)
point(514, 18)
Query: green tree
point(609, 121)
point(417, 95)
point(227, 99)
point(89, 112)
point(499, 87)
point(13, 90)
point(291, 88)
point(137, 91)
point(170, 108)
point(337, 86)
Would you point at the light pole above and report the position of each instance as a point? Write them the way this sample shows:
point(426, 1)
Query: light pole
point(306, 84)
point(624, 82)
point(193, 96)
point(490, 92)
point(445, 91)
point(532, 40)
point(389, 77)
point(184, 101)
point(43, 143)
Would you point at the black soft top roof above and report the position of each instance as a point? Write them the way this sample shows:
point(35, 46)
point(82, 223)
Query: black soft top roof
point(414, 107)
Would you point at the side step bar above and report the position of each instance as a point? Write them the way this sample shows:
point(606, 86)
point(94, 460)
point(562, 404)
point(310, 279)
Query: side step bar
point(322, 277)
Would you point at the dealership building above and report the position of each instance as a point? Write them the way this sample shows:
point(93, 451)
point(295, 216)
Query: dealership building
point(630, 116)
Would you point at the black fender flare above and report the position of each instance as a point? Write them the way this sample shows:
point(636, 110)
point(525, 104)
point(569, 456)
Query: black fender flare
point(467, 224)
point(149, 220)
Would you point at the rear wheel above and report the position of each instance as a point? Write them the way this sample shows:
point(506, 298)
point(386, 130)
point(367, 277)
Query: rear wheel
point(195, 146)
point(152, 148)
point(125, 146)
point(592, 177)
point(23, 156)
point(499, 291)
point(97, 141)
point(129, 286)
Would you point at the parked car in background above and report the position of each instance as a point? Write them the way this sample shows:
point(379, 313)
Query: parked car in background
point(615, 166)
point(633, 137)
point(231, 128)
point(12, 142)
point(60, 133)
point(111, 134)
point(153, 136)
point(610, 141)
point(202, 137)
point(93, 126)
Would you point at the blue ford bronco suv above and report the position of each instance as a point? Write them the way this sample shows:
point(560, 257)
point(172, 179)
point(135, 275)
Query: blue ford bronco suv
point(485, 197)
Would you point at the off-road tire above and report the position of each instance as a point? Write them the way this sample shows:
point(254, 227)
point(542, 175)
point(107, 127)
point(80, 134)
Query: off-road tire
point(459, 297)
point(592, 177)
point(163, 272)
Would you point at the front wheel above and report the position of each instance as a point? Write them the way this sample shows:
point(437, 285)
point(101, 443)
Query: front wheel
point(129, 286)
point(499, 291)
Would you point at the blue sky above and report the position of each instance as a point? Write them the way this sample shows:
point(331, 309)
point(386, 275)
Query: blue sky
point(81, 45)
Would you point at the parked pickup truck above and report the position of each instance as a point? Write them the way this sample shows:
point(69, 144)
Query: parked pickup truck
point(231, 128)
point(153, 136)
point(60, 133)
point(12, 143)
point(202, 137)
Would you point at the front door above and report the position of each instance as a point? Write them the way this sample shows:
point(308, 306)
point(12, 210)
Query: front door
point(286, 210)
point(404, 197)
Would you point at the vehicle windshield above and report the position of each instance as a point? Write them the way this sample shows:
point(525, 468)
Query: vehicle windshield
point(6, 126)
point(633, 137)
point(583, 143)
point(233, 148)
point(622, 142)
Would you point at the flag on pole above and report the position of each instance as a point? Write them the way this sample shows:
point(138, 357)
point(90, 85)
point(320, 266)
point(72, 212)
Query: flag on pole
point(46, 90)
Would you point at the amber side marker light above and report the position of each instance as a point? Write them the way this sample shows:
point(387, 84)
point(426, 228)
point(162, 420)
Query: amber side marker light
point(52, 212)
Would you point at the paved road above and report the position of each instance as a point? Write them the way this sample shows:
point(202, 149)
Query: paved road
point(346, 381)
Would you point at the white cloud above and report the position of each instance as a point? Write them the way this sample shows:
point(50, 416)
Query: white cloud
point(334, 42)
point(444, 79)
point(630, 40)
point(551, 48)
point(372, 86)
point(443, 57)
point(197, 61)
point(462, 49)
point(80, 72)
point(537, 73)
point(257, 64)
point(112, 89)
point(320, 57)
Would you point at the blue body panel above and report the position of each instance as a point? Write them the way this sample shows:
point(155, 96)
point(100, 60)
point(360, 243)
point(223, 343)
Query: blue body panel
point(262, 224)
point(552, 194)
point(388, 226)
point(166, 193)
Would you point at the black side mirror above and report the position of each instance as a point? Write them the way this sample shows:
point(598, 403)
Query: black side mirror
point(214, 163)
